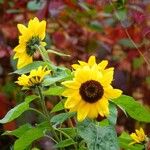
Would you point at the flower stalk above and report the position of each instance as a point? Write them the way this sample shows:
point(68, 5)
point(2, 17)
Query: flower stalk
point(46, 112)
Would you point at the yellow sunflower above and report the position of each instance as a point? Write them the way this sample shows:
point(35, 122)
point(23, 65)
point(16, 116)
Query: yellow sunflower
point(89, 91)
point(30, 36)
point(92, 61)
point(34, 78)
point(138, 137)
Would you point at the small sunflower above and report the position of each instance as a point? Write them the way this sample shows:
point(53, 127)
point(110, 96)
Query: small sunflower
point(89, 91)
point(138, 137)
point(34, 78)
point(30, 36)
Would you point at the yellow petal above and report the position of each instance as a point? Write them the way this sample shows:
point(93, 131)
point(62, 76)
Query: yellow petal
point(134, 137)
point(107, 78)
point(71, 84)
point(92, 61)
point(102, 65)
point(20, 48)
point(75, 66)
point(82, 112)
point(102, 107)
point(22, 29)
point(111, 93)
point(83, 74)
point(71, 102)
point(41, 29)
point(69, 92)
point(93, 113)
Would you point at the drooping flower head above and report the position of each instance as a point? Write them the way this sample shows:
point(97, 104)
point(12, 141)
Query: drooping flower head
point(30, 36)
point(35, 77)
point(89, 91)
point(138, 137)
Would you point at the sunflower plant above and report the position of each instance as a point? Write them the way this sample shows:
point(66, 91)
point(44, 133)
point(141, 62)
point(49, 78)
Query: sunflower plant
point(84, 103)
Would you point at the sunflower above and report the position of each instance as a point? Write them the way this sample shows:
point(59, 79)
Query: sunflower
point(89, 91)
point(138, 137)
point(34, 78)
point(30, 36)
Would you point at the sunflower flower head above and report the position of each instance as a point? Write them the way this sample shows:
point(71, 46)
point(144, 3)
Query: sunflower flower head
point(89, 91)
point(31, 36)
point(138, 137)
point(35, 77)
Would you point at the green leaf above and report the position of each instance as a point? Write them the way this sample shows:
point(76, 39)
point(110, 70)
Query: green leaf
point(98, 138)
point(31, 66)
point(20, 131)
point(127, 43)
point(121, 14)
point(29, 136)
point(97, 26)
point(133, 108)
point(125, 140)
point(15, 112)
point(55, 90)
point(65, 143)
point(34, 5)
point(112, 118)
point(29, 99)
point(137, 62)
point(60, 118)
point(104, 122)
point(60, 75)
point(148, 80)
point(58, 107)
point(18, 110)
point(70, 131)
point(1, 1)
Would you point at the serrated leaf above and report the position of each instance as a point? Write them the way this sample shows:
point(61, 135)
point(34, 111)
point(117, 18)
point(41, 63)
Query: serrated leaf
point(135, 110)
point(58, 107)
point(112, 118)
point(28, 137)
point(65, 143)
point(60, 118)
point(31, 66)
point(20, 131)
point(55, 90)
point(98, 138)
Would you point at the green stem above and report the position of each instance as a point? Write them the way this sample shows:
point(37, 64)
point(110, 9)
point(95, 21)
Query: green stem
point(43, 53)
point(46, 112)
point(35, 110)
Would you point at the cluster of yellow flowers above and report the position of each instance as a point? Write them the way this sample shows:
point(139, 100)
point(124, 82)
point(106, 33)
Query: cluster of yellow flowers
point(88, 93)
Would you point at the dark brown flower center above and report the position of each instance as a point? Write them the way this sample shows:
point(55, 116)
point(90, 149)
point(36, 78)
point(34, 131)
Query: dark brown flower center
point(35, 80)
point(30, 45)
point(91, 91)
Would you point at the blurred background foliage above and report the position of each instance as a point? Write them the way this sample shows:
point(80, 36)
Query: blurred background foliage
point(116, 30)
